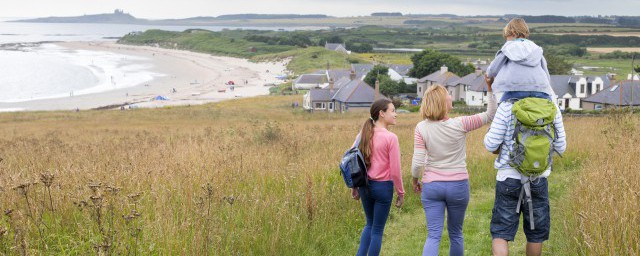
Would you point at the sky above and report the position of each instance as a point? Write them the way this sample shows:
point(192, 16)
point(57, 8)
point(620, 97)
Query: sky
point(167, 9)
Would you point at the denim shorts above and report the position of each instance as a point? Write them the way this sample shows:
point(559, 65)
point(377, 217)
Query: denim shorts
point(504, 221)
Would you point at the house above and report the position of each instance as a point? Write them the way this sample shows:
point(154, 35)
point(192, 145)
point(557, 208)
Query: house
point(472, 89)
point(622, 93)
point(336, 47)
point(308, 81)
point(571, 90)
point(341, 96)
point(442, 77)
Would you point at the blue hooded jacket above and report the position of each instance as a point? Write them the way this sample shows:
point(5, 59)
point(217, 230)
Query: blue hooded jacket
point(520, 66)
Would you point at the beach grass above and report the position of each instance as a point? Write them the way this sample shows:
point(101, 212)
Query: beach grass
point(256, 177)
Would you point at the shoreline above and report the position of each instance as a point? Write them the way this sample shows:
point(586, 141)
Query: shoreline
point(188, 78)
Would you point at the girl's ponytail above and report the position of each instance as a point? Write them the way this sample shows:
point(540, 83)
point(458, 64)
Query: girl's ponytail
point(366, 134)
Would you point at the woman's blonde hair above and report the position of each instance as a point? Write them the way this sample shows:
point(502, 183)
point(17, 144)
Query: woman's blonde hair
point(434, 103)
point(517, 27)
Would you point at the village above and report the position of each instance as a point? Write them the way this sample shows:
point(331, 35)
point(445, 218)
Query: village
point(340, 90)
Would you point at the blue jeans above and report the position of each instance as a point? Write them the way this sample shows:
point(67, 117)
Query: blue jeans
point(504, 220)
point(376, 201)
point(436, 197)
point(521, 95)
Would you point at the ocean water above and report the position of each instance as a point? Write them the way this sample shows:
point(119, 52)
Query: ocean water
point(32, 68)
point(47, 71)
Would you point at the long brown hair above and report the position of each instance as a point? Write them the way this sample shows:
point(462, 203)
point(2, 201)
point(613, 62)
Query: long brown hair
point(366, 134)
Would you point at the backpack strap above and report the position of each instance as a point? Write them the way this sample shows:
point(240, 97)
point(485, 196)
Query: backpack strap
point(357, 144)
point(525, 195)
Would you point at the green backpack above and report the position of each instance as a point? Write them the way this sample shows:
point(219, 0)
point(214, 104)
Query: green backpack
point(534, 134)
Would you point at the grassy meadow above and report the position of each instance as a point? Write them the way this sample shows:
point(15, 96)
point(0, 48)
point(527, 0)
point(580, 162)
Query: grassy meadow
point(256, 177)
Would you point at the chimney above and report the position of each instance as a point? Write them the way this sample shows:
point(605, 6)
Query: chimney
point(612, 78)
point(331, 82)
point(352, 75)
point(443, 69)
point(377, 95)
point(478, 71)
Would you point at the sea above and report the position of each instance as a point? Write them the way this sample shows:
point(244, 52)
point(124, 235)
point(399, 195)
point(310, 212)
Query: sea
point(33, 67)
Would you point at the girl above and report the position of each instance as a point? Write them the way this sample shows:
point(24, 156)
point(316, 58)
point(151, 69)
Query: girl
point(440, 151)
point(382, 156)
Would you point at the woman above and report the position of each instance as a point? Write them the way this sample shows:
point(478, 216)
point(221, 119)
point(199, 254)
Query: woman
point(382, 156)
point(440, 151)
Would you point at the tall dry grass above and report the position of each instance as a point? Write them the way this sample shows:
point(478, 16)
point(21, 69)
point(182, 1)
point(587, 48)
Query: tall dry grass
point(246, 177)
point(605, 202)
point(243, 177)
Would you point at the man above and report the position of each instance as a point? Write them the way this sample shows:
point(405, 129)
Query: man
point(508, 203)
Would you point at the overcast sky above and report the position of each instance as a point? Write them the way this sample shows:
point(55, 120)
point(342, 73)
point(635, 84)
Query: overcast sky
point(162, 9)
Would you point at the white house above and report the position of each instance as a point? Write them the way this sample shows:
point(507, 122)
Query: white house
point(337, 47)
point(308, 81)
point(441, 77)
point(472, 89)
point(344, 95)
point(571, 90)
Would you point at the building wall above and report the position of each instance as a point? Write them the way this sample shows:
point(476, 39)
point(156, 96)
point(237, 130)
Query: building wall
point(302, 86)
point(574, 103)
point(306, 100)
point(473, 98)
point(395, 76)
point(462, 91)
point(581, 88)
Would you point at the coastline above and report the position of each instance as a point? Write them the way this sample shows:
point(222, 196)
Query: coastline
point(197, 78)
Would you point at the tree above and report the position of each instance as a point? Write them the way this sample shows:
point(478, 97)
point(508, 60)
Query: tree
point(429, 61)
point(388, 87)
point(331, 40)
point(377, 70)
point(557, 65)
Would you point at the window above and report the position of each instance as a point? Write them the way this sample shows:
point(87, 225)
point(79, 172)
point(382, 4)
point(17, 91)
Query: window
point(330, 105)
point(419, 88)
point(319, 105)
point(473, 97)
point(582, 87)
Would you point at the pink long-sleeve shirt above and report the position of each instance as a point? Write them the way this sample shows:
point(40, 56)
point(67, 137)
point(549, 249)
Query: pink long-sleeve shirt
point(385, 159)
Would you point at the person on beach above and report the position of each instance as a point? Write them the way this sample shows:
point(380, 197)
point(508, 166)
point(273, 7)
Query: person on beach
point(381, 152)
point(439, 167)
point(519, 68)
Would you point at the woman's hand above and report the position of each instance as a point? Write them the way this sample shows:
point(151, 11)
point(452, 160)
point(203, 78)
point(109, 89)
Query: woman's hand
point(417, 187)
point(399, 201)
point(489, 81)
point(354, 194)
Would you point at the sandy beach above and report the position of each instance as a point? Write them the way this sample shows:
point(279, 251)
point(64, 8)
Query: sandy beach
point(196, 77)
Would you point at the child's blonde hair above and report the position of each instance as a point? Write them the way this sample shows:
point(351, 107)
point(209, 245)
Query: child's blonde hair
point(517, 27)
point(434, 103)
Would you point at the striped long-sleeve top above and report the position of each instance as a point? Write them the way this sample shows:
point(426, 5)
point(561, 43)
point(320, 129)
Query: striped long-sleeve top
point(439, 149)
point(500, 136)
